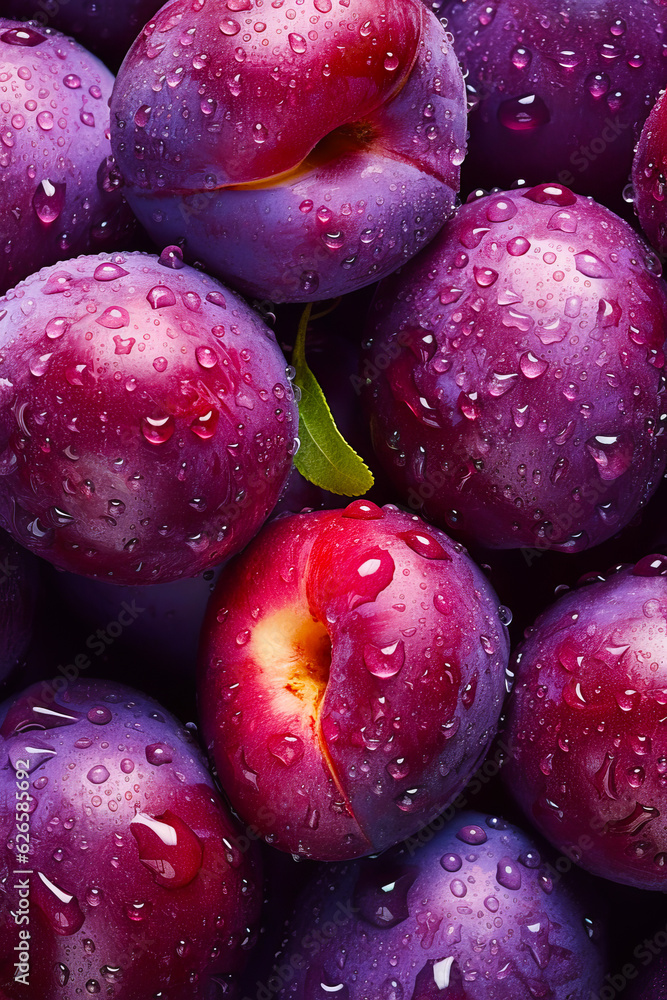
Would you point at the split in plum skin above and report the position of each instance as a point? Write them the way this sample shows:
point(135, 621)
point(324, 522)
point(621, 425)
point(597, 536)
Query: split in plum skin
point(135, 882)
point(147, 423)
point(60, 186)
point(514, 373)
point(467, 910)
point(352, 672)
point(585, 725)
point(346, 163)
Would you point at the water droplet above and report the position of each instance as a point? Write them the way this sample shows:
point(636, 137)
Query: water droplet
point(363, 510)
point(206, 357)
point(297, 43)
point(589, 264)
point(612, 454)
point(114, 318)
point(61, 908)
point(521, 114)
point(168, 847)
point(374, 573)
point(473, 835)
point(48, 201)
point(98, 774)
point(287, 748)
point(451, 862)
point(158, 429)
point(100, 715)
point(508, 874)
point(160, 297)
point(159, 753)
point(532, 366)
point(385, 662)
point(518, 246)
point(24, 35)
point(424, 544)
point(109, 272)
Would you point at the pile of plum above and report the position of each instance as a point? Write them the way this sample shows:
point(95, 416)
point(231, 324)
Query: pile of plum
point(268, 732)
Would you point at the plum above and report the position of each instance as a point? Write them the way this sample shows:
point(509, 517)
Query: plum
point(351, 679)
point(147, 424)
point(648, 176)
point(587, 757)
point(476, 911)
point(18, 591)
point(60, 187)
point(132, 884)
point(513, 373)
point(558, 92)
point(105, 28)
point(298, 152)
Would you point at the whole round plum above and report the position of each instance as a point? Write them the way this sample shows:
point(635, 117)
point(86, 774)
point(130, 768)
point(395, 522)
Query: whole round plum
point(106, 28)
point(146, 420)
point(132, 883)
point(298, 152)
point(587, 754)
point(513, 372)
point(473, 909)
point(352, 676)
point(558, 91)
point(649, 170)
point(18, 592)
point(60, 188)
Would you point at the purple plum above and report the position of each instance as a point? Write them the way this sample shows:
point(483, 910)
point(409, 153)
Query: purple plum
point(558, 91)
point(105, 27)
point(147, 424)
point(471, 909)
point(352, 674)
point(587, 757)
point(298, 152)
point(514, 373)
point(60, 187)
point(649, 171)
point(133, 885)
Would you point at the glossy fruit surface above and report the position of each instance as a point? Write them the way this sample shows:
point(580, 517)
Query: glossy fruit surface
point(473, 912)
point(299, 152)
point(352, 672)
point(588, 760)
point(648, 176)
point(559, 91)
point(133, 884)
point(514, 372)
point(59, 184)
point(147, 424)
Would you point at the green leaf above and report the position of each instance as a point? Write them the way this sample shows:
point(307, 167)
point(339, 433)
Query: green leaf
point(324, 457)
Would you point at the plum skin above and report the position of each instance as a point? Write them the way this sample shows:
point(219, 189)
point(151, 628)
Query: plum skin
point(60, 188)
point(309, 662)
point(587, 754)
point(288, 189)
point(171, 420)
point(592, 71)
point(106, 766)
point(648, 176)
point(513, 373)
point(443, 920)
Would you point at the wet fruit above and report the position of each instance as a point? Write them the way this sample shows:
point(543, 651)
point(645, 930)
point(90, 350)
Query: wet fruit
point(298, 152)
point(588, 760)
point(475, 910)
point(648, 176)
point(514, 373)
point(131, 882)
point(352, 672)
point(147, 424)
point(558, 91)
point(60, 187)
